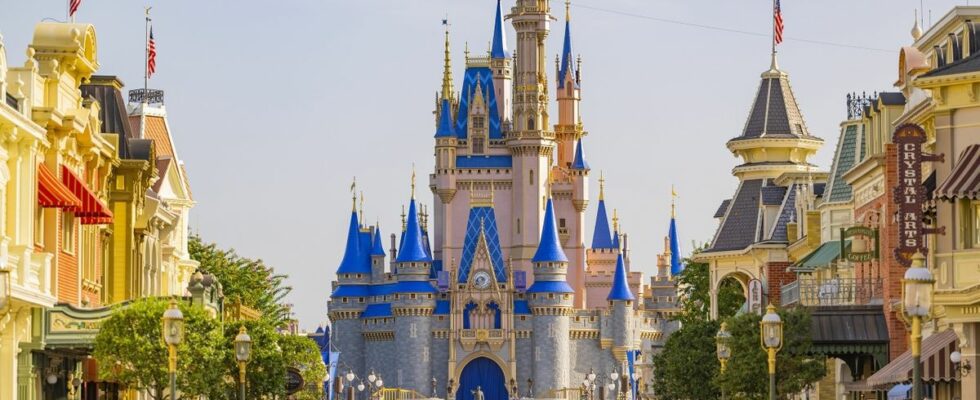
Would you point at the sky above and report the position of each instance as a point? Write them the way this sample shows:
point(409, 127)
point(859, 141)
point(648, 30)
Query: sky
point(276, 106)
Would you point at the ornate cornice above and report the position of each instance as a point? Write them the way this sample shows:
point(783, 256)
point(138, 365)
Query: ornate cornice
point(382, 336)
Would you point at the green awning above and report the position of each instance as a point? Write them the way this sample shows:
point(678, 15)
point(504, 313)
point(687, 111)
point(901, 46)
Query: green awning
point(828, 253)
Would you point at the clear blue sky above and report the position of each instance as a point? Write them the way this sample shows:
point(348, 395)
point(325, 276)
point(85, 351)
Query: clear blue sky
point(276, 105)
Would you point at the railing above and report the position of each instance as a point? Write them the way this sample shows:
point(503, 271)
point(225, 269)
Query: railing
point(857, 102)
point(151, 96)
point(830, 292)
point(566, 394)
point(397, 394)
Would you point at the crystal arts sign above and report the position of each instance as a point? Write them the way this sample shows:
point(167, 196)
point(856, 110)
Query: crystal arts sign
point(910, 193)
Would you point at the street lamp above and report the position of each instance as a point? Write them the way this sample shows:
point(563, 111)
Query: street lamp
point(614, 376)
point(723, 349)
point(917, 302)
point(961, 365)
point(360, 386)
point(243, 351)
point(771, 328)
point(173, 334)
point(350, 383)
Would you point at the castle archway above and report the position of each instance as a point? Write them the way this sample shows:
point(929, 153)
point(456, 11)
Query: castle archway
point(486, 374)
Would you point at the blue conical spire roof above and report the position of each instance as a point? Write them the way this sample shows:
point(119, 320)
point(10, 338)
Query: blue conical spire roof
point(445, 128)
point(579, 161)
point(549, 250)
point(620, 287)
point(412, 247)
point(675, 253)
point(353, 261)
point(615, 240)
point(498, 48)
point(601, 238)
point(567, 63)
point(377, 249)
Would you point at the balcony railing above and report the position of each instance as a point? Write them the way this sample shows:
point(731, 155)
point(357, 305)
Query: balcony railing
point(830, 292)
point(150, 96)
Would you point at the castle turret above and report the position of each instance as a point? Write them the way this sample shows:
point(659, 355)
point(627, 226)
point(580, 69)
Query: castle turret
point(501, 66)
point(601, 237)
point(377, 257)
point(350, 292)
point(551, 304)
point(568, 131)
point(674, 250)
point(414, 301)
point(444, 178)
point(621, 305)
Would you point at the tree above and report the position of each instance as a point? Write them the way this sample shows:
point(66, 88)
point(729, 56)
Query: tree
point(687, 367)
point(304, 354)
point(747, 373)
point(255, 283)
point(129, 349)
point(695, 285)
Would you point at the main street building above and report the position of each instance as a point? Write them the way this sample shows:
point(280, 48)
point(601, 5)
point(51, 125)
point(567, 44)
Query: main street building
point(499, 290)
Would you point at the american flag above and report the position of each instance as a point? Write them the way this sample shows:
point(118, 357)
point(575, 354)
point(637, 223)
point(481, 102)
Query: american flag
point(777, 24)
point(73, 7)
point(151, 56)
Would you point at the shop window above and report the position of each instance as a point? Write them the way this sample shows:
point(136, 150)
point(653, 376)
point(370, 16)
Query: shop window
point(68, 232)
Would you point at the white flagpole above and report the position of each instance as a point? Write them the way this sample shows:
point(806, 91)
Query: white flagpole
point(146, 71)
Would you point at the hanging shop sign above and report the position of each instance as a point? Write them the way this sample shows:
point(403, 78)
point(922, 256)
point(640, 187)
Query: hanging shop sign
point(864, 244)
point(910, 193)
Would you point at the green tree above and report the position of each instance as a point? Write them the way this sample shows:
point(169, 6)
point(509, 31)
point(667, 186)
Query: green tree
point(129, 349)
point(695, 285)
point(747, 373)
point(687, 367)
point(303, 353)
point(255, 283)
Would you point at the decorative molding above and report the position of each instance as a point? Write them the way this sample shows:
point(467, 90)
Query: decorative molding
point(382, 336)
point(584, 334)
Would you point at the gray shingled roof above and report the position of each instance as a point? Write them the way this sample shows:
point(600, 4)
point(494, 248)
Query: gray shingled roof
point(969, 64)
point(723, 208)
point(892, 98)
point(773, 195)
point(783, 118)
point(737, 230)
point(844, 160)
point(112, 110)
point(788, 214)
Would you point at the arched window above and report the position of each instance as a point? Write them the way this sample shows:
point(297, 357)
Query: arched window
point(530, 123)
point(495, 309)
point(466, 314)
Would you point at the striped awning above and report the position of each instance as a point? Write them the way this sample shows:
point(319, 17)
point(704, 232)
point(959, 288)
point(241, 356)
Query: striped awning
point(934, 360)
point(963, 181)
point(51, 193)
point(91, 210)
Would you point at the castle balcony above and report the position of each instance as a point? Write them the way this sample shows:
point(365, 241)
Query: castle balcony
point(814, 292)
point(469, 338)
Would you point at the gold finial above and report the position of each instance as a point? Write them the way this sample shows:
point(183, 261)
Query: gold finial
point(447, 74)
point(466, 51)
point(413, 180)
point(353, 193)
point(673, 199)
point(602, 186)
point(568, 14)
point(615, 221)
point(403, 218)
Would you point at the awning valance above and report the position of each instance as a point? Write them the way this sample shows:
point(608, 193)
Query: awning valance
point(935, 362)
point(964, 180)
point(91, 210)
point(51, 193)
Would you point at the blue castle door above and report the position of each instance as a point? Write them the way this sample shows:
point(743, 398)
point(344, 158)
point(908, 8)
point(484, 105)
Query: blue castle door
point(486, 374)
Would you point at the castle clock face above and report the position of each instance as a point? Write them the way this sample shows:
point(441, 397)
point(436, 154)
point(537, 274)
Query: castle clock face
point(481, 279)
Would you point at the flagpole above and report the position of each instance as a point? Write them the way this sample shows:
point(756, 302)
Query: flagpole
point(146, 71)
point(773, 34)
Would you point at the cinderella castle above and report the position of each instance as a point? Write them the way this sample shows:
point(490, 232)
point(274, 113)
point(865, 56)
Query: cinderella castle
point(499, 290)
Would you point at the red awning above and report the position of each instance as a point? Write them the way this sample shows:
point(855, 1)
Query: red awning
point(51, 193)
point(91, 210)
point(964, 180)
point(934, 360)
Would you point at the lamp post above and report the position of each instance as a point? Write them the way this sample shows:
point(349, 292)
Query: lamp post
point(380, 385)
point(360, 387)
point(772, 340)
point(173, 334)
point(614, 376)
point(350, 383)
point(590, 383)
point(723, 349)
point(916, 305)
point(243, 351)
